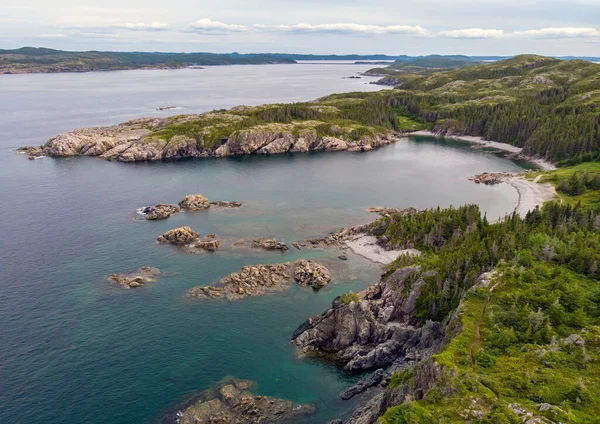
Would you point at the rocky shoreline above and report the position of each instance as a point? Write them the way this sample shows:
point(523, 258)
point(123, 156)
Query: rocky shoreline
point(140, 140)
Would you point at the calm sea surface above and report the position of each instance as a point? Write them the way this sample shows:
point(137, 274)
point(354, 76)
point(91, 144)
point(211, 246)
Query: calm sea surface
point(75, 348)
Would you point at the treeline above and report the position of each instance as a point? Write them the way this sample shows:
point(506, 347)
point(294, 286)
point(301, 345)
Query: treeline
point(462, 251)
point(578, 182)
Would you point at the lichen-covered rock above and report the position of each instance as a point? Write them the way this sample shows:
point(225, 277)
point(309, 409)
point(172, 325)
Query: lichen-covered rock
point(160, 211)
point(194, 202)
point(256, 280)
point(269, 244)
point(136, 278)
point(181, 235)
point(231, 402)
point(279, 145)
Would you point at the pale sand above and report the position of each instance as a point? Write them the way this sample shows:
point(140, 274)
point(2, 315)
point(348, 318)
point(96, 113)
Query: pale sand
point(542, 164)
point(366, 246)
point(531, 193)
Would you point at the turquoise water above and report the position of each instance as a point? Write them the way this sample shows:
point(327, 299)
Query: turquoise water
point(76, 348)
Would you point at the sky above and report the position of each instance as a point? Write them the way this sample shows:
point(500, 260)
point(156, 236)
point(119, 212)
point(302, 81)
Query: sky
point(472, 27)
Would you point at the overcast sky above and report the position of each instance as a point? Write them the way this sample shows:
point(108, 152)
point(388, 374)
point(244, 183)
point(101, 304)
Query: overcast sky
point(476, 27)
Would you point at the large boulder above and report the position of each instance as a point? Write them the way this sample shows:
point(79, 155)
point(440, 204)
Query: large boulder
point(194, 202)
point(160, 211)
point(312, 274)
point(181, 235)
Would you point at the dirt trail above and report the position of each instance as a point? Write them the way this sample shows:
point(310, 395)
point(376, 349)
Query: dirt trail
point(477, 340)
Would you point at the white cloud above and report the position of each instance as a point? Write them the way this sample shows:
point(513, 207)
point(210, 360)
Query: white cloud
point(346, 28)
point(472, 33)
point(140, 26)
point(52, 36)
point(558, 33)
point(208, 25)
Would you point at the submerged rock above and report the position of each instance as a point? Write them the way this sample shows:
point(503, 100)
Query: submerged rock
point(256, 280)
point(136, 278)
point(160, 211)
point(269, 244)
point(226, 203)
point(194, 202)
point(231, 402)
point(181, 235)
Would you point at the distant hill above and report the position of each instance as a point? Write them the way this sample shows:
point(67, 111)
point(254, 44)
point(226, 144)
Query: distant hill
point(43, 60)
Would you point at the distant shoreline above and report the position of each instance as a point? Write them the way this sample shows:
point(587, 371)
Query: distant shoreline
point(541, 163)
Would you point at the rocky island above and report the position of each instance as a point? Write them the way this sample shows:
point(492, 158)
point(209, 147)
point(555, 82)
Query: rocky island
point(191, 202)
point(256, 280)
point(137, 278)
point(231, 401)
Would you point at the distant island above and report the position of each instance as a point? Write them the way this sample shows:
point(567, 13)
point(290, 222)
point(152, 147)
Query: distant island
point(31, 60)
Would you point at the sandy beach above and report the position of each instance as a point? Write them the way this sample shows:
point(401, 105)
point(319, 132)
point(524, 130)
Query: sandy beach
point(366, 246)
point(531, 193)
point(542, 164)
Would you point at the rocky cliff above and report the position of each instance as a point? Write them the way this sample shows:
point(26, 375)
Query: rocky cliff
point(208, 135)
point(377, 328)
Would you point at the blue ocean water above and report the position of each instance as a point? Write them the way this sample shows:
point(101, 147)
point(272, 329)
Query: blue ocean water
point(76, 348)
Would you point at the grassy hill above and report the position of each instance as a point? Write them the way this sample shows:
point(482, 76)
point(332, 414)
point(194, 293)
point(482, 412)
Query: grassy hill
point(547, 106)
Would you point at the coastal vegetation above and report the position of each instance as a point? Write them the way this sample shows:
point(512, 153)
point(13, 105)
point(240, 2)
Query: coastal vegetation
point(548, 107)
point(529, 338)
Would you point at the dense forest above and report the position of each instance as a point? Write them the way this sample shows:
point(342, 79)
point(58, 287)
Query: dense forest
point(529, 341)
point(549, 107)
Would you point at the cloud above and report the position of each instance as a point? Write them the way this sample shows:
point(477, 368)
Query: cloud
point(346, 28)
point(208, 25)
point(472, 33)
point(558, 33)
point(51, 36)
point(140, 26)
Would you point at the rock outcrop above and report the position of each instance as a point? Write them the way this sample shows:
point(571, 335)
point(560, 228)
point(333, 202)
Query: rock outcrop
point(231, 402)
point(194, 202)
point(210, 244)
point(160, 211)
point(256, 280)
point(269, 244)
point(492, 178)
point(137, 278)
point(181, 235)
point(371, 329)
point(144, 139)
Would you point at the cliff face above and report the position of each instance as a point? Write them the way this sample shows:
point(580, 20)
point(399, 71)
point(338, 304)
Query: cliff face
point(377, 328)
point(142, 140)
point(373, 329)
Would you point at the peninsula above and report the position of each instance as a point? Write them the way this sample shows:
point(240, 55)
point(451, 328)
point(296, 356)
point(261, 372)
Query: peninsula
point(546, 107)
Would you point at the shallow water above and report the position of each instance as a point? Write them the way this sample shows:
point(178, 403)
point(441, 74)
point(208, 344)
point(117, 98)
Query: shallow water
point(76, 348)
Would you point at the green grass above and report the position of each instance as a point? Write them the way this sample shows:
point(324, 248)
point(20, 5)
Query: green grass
point(590, 198)
point(348, 298)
